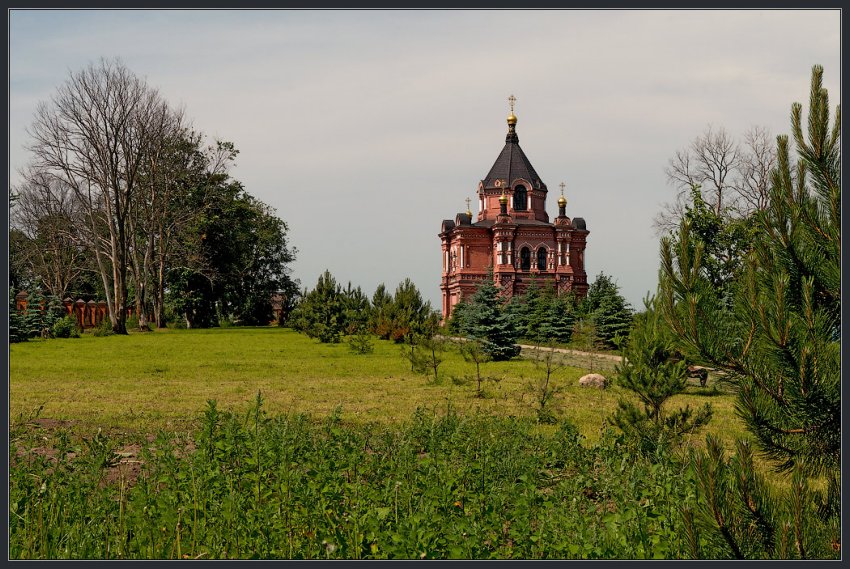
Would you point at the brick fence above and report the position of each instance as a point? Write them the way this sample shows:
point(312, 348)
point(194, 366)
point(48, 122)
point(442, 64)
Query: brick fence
point(87, 314)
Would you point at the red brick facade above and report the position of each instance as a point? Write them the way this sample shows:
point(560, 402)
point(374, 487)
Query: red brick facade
point(512, 235)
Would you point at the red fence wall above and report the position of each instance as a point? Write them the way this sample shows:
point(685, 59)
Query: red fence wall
point(87, 314)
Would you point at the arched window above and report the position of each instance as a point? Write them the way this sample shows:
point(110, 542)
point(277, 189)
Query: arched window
point(541, 258)
point(525, 259)
point(520, 198)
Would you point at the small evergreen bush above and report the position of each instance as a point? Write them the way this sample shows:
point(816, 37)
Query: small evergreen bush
point(361, 341)
point(65, 328)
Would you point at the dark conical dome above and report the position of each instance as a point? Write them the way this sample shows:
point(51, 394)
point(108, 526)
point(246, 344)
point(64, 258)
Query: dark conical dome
point(512, 161)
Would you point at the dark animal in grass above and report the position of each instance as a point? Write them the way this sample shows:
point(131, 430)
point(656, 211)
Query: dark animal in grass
point(699, 372)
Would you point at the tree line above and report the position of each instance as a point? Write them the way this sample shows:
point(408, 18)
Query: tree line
point(125, 200)
point(330, 311)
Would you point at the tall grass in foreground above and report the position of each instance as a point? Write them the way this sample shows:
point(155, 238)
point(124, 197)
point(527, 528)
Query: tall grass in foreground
point(252, 486)
point(439, 486)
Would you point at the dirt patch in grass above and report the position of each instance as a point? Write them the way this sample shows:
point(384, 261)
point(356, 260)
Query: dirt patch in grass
point(127, 458)
point(52, 424)
point(128, 469)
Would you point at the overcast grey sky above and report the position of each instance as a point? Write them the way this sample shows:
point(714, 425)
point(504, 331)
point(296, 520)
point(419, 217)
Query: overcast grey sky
point(365, 129)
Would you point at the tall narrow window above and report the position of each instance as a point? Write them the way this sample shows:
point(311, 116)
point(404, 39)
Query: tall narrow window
point(541, 258)
point(524, 259)
point(520, 198)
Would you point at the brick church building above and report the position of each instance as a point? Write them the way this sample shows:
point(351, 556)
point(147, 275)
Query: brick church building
point(512, 234)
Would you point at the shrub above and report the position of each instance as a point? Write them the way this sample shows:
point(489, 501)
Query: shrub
point(105, 328)
point(361, 341)
point(66, 328)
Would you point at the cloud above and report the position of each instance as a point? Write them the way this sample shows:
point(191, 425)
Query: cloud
point(366, 129)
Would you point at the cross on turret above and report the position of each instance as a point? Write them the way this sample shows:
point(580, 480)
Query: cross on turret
point(562, 201)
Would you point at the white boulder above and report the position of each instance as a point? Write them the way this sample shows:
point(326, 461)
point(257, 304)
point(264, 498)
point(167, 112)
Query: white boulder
point(593, 380)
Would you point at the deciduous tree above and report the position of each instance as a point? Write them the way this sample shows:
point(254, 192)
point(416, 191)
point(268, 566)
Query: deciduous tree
point(92, 137)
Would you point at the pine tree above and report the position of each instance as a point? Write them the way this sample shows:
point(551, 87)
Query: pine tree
point(410, 314)
point(380, 319)
point(779, 341)
point(356, 309)
point(473, 352)
point(741, 515)
point(585, 338)
point(321, 313)
point(648, 371)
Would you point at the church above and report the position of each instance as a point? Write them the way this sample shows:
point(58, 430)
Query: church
point(512, 234)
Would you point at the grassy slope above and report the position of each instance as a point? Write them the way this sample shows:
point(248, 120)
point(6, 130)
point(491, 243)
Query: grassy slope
point(162, 380)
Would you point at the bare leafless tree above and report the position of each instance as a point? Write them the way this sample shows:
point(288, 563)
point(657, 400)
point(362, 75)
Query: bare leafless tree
point(758, 159)
point(92, 136)
point(733, 177)
point(46, 213)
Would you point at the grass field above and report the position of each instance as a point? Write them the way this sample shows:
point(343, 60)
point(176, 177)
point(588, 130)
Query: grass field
point(343, 456)
point(162, 380)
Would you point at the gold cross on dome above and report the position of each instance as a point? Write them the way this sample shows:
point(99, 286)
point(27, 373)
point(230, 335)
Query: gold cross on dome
point(467, 203)
point(563, 185)
point(512, 100)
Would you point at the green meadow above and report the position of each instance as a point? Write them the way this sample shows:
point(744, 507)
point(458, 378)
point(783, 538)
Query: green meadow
point(145, 382)
point(264, 443)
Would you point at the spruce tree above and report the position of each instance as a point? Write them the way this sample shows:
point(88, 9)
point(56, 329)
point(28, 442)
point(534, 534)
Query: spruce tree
point(608, 309)
point(487, 321)
point(17, 321)
point(558, 319)
point(529, 311)
point(457, 320)
point(779, 340)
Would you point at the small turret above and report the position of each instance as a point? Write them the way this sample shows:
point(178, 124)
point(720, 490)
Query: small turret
point(562, 202)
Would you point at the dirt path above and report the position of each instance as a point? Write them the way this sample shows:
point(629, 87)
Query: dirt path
point(611, 357)
point(568, 351)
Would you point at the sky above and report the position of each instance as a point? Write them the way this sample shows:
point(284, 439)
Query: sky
point(365, 129)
